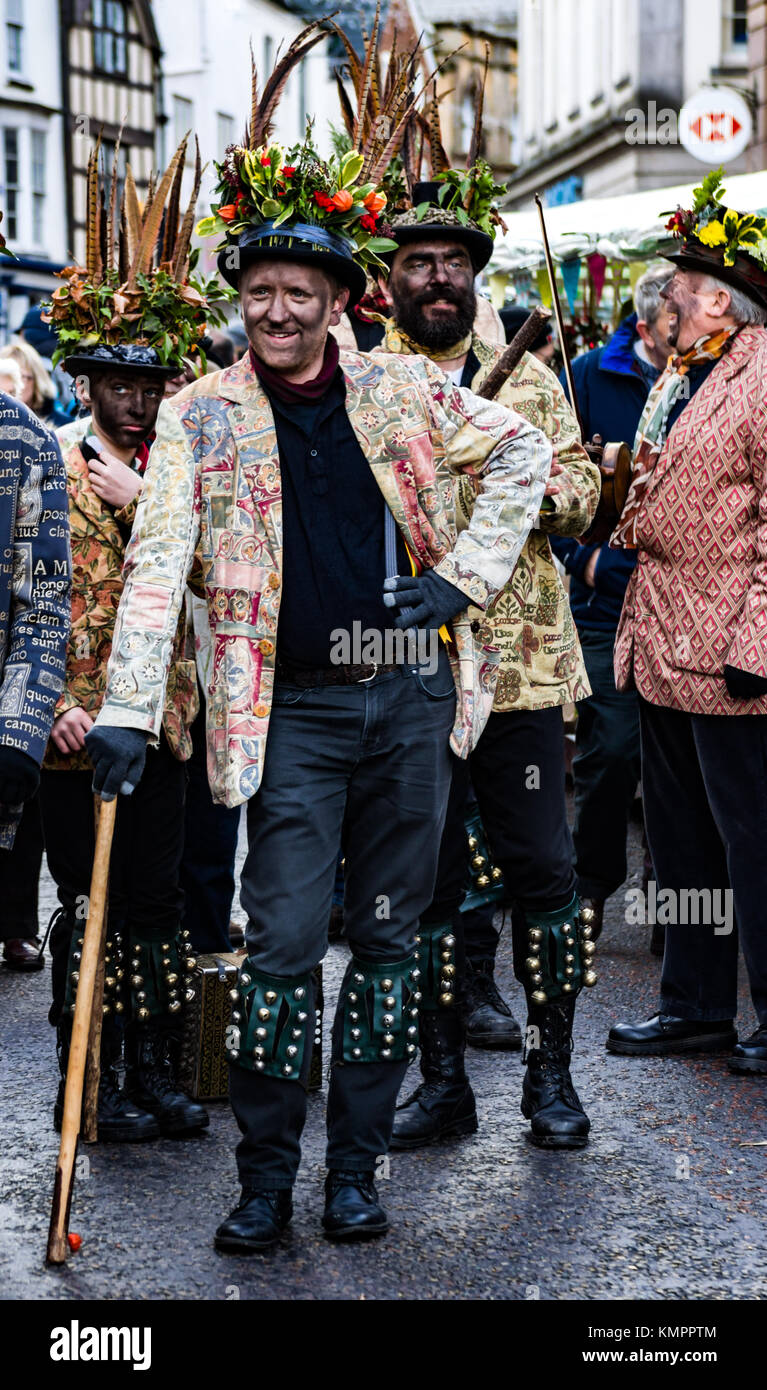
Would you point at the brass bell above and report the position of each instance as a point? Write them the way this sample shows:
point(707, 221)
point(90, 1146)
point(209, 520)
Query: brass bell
point(264, 1014)
point(537, 978)
point(590, 978)
point(569, 957)
point(356, 1033)
point(587, 914)
point(244, 978)
point(144, 1014)
point(389, 1001)
point(473, 842)
point(166, 945)
point(359, 979)
point(292, 1051)
point(287, 1069)
point(189, 995)
point(387, 984)
point(105, 1009)
point(482, 881)
point(389, 1039)
point(299, 993)
point(496, 873)
point(259, 1066)
point(261, 1033)
point(446, 1000)
point(448, 942)
point(270, 997)
point(535, 934)
point(356, 1052)
point(586, 932)
point(74, 977)
point(569, 971)
point(539, 997)
point(448, 970)
point(234, 995)
point(446, 956)
point(119, 1006)
point(172, 978)
point(110, 982)
point(589, 949)
point(190, 964)
point(532, 964)
point(137, 981)
point(386, 1052)
point(567, 987)
point(301, 1016)
point(174, 1006)
point(166, 961)
point(478, 861)
point(352, 998)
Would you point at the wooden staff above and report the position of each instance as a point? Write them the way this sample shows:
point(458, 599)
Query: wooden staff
point(73, 1094)
point(527, 334)
point(90, 1129)
point(558, 316)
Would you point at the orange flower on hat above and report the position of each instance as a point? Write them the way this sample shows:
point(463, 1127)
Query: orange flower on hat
point(342, 200)
point(375, 202)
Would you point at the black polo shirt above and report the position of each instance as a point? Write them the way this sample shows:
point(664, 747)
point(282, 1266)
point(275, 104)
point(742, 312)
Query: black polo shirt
point(333, 517)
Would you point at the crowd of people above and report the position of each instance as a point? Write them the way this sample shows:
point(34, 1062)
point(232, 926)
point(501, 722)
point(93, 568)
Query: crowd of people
point(345, 484)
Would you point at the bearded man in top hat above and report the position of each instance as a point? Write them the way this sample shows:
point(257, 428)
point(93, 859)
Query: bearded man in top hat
point(692, 638)
point(517, 768)
point(305, 476)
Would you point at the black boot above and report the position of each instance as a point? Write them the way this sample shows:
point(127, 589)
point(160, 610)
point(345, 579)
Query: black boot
point(119, 1121)
point(151, 1083)
point(488, 1018)
point(443, 1106)
point(352, 1209)
point(549, 1099)
point(257, 1222)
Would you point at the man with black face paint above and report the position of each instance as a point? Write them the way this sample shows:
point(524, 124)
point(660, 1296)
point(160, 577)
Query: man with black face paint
point(517, 768)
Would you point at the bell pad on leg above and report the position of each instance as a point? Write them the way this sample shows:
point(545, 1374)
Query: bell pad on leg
point(560, 950)
point(268, 1029)
point(157, 974)
point(436, 958)
point(380, 1011)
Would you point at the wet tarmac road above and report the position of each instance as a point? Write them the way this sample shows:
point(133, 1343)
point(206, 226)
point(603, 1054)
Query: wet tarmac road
point(666, 1202)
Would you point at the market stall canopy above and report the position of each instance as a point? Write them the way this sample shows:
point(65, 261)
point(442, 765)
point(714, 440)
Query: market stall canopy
point(625, 228)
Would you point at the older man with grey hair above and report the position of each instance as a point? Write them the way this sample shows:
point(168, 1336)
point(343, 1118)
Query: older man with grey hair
point(692, 640)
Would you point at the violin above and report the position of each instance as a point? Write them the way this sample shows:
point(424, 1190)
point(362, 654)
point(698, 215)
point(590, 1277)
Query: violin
point(614, 463)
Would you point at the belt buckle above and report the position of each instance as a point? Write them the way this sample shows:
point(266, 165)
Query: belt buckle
point(365, 680)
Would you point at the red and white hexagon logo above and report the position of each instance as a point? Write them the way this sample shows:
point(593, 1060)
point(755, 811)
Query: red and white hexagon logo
point(715, 125)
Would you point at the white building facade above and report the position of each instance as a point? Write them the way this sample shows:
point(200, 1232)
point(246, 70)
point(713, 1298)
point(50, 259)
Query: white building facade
point(600, 86)
point(32, 175)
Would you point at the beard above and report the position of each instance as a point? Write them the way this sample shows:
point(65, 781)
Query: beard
point(435, 333)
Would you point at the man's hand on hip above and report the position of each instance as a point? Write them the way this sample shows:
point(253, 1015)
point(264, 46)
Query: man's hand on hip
point(432, 601)
point(118, 757)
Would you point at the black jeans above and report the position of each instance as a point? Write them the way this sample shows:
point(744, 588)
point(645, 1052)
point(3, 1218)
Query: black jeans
point(144, 890)
point(20, 876)
point(517, 771)
point(605, 771)
point(372, 759)
point(210, 848)
point(704, 782)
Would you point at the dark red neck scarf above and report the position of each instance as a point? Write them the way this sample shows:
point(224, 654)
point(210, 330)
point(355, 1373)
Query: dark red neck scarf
point(297, 392)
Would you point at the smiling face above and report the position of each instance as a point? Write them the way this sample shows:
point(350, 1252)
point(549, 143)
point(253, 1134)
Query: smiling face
point(287, 308)
point(697, 306)
point(124, 405)
point(431, 289)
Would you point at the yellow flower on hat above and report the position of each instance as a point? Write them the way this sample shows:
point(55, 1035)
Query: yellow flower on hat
point(713, 234)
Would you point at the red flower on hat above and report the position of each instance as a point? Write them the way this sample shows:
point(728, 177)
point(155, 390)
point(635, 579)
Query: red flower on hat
point(368, 222)
point(288, 171)
point(265, 160)
point(323, 201)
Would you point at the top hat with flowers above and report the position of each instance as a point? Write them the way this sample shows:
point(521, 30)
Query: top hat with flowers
point(731, 246)
point(459, 204)
point(292, 204)
point(135, 304)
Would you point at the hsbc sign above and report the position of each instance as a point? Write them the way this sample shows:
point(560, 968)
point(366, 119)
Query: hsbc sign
point(715, 125)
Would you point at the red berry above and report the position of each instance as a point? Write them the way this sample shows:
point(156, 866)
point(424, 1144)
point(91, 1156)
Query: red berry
point(75, 1241)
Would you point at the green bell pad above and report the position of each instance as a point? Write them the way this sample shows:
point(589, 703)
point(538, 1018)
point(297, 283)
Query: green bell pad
point(272, 1018)
point(380, 1010)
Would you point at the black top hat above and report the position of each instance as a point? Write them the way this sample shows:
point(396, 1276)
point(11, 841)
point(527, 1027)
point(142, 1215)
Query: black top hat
point(123, 357)
point(745, 275)
point(441, 222)
point(301, 241)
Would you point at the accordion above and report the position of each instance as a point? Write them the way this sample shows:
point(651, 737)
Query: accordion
point(203, 1065)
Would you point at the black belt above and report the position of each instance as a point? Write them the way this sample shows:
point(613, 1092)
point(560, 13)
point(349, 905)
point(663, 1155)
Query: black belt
point(332, 675)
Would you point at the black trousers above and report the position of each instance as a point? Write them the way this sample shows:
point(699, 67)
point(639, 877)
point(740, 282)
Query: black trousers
point(372, 761)
point(144, 892)
point(606, 770)
point(517, 772)
point(210, 848)
point(704, 783)
point(20, 876)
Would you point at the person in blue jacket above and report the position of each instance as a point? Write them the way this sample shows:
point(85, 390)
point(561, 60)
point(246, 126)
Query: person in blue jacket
point(611, 384)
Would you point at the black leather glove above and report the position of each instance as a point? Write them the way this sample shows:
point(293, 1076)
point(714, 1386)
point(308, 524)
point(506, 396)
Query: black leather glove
point(19, 776)
point(425, 600)
point(118, 757)
point(744, 685)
